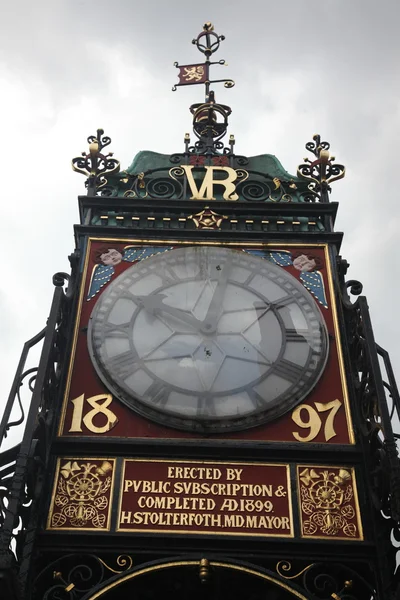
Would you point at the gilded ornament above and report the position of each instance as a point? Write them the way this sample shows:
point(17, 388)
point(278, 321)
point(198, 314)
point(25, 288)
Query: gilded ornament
point(123, 560)
point(327, 498)
point(106, 467)
point(204, 571)
point(207, 219)
point(284, 567)
point(81, 495)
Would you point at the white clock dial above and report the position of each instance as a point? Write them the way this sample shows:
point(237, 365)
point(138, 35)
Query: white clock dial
point(208, 339)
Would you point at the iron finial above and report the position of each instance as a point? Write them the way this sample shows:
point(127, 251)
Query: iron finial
point(207, 42)
point(94, 164)
point(210, 120)
point(321, 171)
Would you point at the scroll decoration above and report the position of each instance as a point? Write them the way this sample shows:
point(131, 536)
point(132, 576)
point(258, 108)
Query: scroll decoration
point(321, 171)
point(378, 404)
point(324, 581)
point(94, 164)
point(72, 576)
point(24, 467)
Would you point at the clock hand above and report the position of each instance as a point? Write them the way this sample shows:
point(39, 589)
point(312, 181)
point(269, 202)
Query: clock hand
point(214, 310)
point(154, 304)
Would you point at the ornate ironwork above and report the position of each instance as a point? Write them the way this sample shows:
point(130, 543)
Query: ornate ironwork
point(74, 575)
point(171, 183)
point(322, 171)
point(210, 120)
point(377, 403)
point(23, 468)
point(78, 576)
point(325, 581)
point(94, 164)
point(207, 42)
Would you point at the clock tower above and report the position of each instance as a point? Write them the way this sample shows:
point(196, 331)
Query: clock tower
point(211, 415)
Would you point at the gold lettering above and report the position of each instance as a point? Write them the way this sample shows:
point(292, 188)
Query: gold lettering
point(196, 499)
point(99, 406)
point(191, 519)
point(262, 523)
point(252, 522)
point(285, 523)
point(137, 518)
point(125, 516)
point(97, 409)
point(232, 474)
point(206, 191)
point(76, 421)
point(127, 484)
point(229, 504)
point(234, 521)
point(194, 473)
point(271, 521)
point(333, 408)
point(313, 422)
point(178, 487)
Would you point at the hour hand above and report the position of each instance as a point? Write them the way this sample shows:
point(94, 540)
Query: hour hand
point(154, 304)
point(214, 310)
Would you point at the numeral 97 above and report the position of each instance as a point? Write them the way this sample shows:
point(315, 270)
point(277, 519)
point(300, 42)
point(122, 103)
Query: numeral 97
point(307, 417)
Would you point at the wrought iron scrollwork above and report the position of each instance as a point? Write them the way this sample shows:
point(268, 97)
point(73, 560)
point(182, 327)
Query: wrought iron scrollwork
point(255, 187)
point(74, 575)
point(23, 468)
point(324, 581)
point(94, 164)
point(355, 287)
point(156, 183)
point(171, 182)
point(321, 171)
point(210, 119)
point(208, 41)
point(378, 407)
point(163, 187)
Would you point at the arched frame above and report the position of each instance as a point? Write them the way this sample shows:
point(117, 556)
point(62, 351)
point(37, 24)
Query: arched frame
point(244, 568)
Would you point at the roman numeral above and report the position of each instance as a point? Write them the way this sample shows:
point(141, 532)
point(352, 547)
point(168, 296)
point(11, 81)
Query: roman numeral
point(282, 302)
point(168, 275)
point(257, 400)
point(123, 364)
point(206, 407)
point(158, 393)
point(298, 335)
point(118, 331)
point(249, 278)
point(288, 371)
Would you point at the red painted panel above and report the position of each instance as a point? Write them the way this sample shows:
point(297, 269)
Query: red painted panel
point(324, 416)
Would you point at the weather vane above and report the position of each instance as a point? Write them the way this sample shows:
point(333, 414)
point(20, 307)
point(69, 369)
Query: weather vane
point(207, 43)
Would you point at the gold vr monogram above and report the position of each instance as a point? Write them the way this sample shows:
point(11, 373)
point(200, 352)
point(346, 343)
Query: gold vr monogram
point(206, 190)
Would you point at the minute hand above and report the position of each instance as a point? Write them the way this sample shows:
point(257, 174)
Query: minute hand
point(214, 310)
point(154, 304)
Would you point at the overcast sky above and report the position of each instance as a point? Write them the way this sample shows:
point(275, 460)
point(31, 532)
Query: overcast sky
point(301, 67)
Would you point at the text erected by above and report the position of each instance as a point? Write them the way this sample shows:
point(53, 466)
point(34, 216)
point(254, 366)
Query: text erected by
point(205, 498)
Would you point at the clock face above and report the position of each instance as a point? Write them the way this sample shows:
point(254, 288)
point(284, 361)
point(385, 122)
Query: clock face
point(208, 339)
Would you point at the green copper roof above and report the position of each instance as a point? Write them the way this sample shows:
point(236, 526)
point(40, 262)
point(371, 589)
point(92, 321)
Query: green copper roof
point(267, 164)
